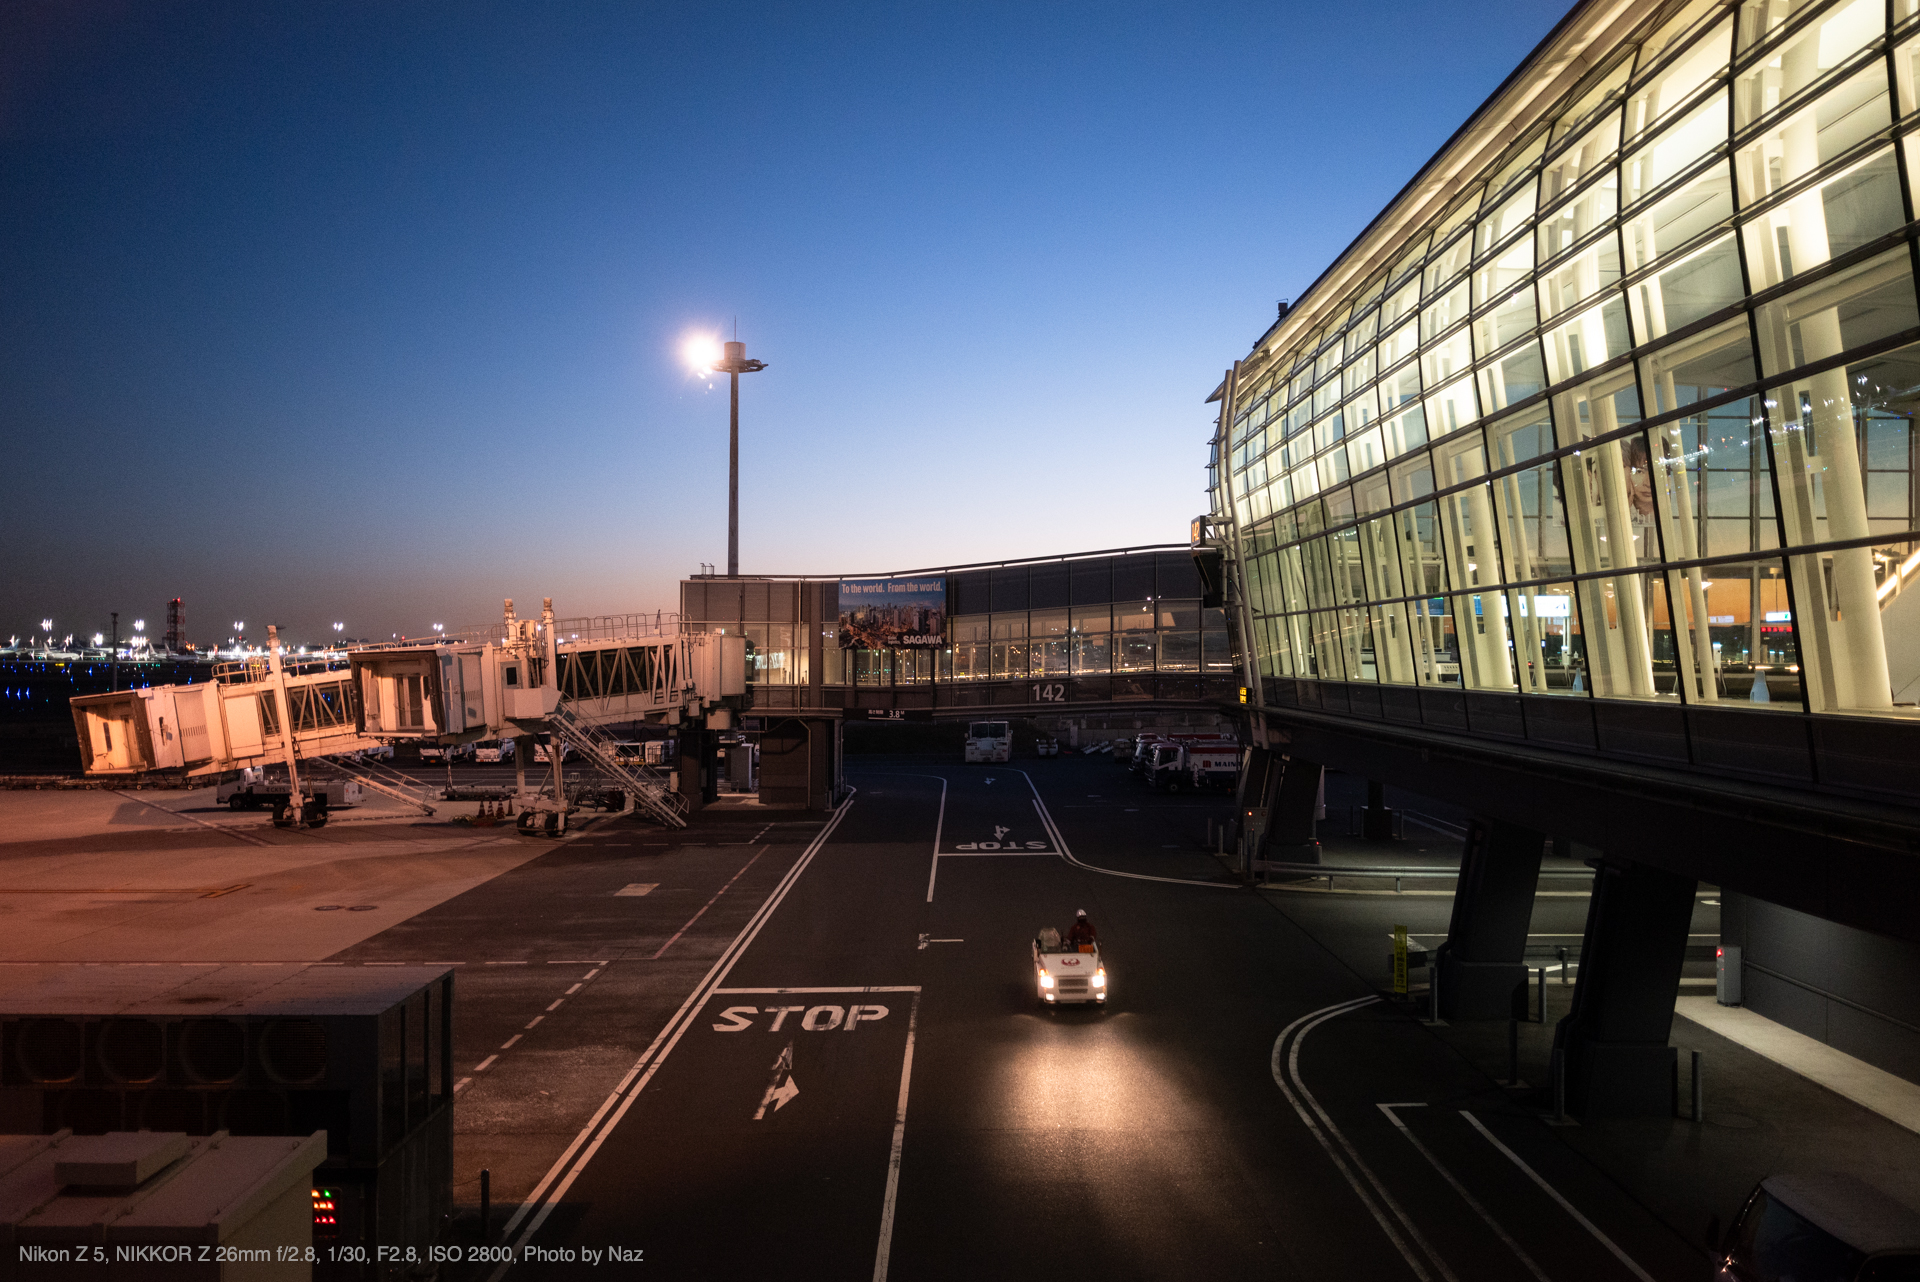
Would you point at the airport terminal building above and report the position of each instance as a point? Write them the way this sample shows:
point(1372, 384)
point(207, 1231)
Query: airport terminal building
point(1582, 487)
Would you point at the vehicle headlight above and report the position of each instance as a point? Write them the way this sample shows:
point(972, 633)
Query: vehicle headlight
point(1046, 980)
point(1100, 978)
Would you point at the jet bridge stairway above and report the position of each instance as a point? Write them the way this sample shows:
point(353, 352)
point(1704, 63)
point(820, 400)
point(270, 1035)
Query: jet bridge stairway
point(648, 788)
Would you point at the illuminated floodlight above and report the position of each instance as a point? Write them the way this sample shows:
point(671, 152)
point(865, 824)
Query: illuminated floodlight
point(139, 625)
point(46, 625)
point(98, 639)
point(339, 627)
point(702, 353)
point(239, 625)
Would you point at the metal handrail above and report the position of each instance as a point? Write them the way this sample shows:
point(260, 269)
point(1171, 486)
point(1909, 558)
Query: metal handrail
point(645, 786)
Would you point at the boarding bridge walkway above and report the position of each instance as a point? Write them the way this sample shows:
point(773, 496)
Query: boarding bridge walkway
point(524, 681)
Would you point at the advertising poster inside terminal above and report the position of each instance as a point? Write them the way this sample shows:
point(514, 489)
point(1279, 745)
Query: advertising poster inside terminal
point(882, 614)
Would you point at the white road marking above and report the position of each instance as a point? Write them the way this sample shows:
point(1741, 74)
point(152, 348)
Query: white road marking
point(508, 1044)
point(1440, 826)
point(558, 1003)
point(782, 1088)
point(637, 888)
point(1059, 840)
point(506, 963)
point(576, 988)
point(536, 1020)
point(462, 1084)
point(560, 1176)
point(1292, 1071)
point(590, 974)
point(837, 988)
point(1460, 1188)
point(938, 824)
point(482, 1066)
point(192, 819)
point(710, 903)
point(885, 1249)
point(1565, 1205)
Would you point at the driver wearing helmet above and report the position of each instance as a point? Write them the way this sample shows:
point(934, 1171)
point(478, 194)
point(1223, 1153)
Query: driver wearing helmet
point(1082, 931)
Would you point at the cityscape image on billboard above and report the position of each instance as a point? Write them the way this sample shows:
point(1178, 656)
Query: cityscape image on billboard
point(878, 614)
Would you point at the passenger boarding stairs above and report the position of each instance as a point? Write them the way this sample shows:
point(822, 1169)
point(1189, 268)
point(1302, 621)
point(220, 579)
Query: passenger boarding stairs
point(385, 780)
point(649, 789)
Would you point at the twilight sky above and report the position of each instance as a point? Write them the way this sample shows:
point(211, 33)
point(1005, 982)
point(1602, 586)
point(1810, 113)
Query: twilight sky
point(374, 311)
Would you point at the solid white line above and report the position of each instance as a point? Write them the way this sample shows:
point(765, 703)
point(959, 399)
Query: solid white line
point(1059, 840)
point(1386, 1198)
point(893, 1160)
point(1460, 1188)
point(844, 988)
point(1359, 1190)
point(192, 819)
point(1565, 1205)
point(1440, 826)
point(939, 826)
point(561, 1175)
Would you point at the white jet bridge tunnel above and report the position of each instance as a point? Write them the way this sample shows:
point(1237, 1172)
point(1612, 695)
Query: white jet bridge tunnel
point(276, 710)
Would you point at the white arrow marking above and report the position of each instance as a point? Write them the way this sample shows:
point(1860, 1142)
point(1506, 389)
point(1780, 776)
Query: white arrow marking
point(1000, 830)
point(782, 1088)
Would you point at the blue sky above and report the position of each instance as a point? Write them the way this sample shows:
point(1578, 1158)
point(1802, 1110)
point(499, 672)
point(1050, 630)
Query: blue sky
point(374, 311)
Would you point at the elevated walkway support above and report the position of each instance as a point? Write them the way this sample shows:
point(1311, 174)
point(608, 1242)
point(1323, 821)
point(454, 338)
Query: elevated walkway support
point(1614, 1043)
point(1481, 963)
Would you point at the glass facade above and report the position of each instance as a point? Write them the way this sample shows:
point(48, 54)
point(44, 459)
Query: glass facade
point(1632, 417)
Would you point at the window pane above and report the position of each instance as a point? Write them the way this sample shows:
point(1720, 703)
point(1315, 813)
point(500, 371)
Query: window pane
point(1824, 435)
point(1544, 629)
point(1591, 338)
point(1452, 407)
point(1697, 285)
point(1505, 300)
point(1707, 57)
point(1579, 278)
point(1699, 367)
point(1513, 377)
point(1511, 215)
point(1581, 158)
point(1444, 314)
point(1800, 63)
point(1365, 451)
point(1600, 91)
point(1842, 213)
point(1842, 118)
point(1520, 437)
point(1447, 263)
point(1678, 218)
point(1443, 360)
point(1855, 307)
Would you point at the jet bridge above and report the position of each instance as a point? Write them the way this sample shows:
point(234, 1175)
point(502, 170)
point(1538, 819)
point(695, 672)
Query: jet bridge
point(276, 709)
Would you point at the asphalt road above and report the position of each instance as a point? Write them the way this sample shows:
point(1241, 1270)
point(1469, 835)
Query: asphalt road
point(848, 1072)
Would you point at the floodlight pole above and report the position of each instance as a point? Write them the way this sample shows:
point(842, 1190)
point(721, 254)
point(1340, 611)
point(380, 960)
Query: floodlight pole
point(734, 365)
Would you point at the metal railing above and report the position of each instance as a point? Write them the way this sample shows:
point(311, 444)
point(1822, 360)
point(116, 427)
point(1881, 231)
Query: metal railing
point(648, 787)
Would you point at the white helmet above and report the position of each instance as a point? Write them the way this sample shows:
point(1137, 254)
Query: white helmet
point(1079, 912)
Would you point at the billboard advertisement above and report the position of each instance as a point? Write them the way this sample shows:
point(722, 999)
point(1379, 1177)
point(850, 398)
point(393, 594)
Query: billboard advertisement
point(900, 614)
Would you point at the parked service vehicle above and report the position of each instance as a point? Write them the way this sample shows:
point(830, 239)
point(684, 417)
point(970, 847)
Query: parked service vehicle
point(540, 753)
point(1046, 747)
point(1065, 975)
point(254, 790)
point(1215, 769)
point(1825, 1226)
point(449, 753)
point(989, 741)
point(493, 751)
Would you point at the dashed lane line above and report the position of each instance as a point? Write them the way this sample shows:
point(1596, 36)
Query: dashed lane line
point(546, 1195)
